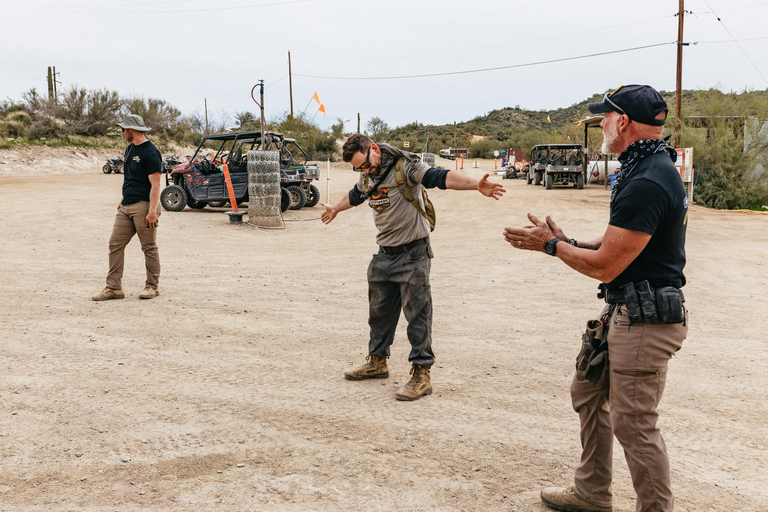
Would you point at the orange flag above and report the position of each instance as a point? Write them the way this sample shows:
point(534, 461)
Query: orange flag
point(314, 97)
point(569, 137)
point(548, 119)
point(579, 124)
point(322, 109)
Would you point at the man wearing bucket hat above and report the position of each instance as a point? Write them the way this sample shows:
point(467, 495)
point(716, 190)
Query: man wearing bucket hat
point(622, 368)
point(137, 212)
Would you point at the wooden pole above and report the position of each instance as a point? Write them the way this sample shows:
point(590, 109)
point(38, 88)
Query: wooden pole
point(55, 89)
point(206, 116)
point(358, 122)
point(290, 82)
point(679, 80)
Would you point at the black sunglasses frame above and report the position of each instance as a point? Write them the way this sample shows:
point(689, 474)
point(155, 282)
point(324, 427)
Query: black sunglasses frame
point(365, 165)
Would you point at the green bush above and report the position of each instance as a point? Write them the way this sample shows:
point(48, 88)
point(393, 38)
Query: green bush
point(725, 164)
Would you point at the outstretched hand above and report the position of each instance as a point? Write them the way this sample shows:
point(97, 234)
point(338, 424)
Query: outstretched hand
point(329, 214)
point(489, 188)
point(556, 229)
point(532, 237)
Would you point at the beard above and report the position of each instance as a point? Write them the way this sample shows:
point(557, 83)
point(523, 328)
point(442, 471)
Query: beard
point(610, 134)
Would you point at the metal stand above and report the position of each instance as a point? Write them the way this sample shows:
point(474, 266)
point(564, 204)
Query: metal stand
point(236, 217)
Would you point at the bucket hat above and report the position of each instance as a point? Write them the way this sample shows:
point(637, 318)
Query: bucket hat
point(133, 122)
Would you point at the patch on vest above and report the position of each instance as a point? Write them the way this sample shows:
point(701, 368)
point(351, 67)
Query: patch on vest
point(379, 200)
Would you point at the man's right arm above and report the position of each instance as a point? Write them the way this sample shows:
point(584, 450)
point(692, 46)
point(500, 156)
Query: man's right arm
point(332, 210)
point(558, 232)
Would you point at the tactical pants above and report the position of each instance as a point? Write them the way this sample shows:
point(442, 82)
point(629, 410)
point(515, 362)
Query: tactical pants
point(131, 220)
point(625, 406)
point(395, 282)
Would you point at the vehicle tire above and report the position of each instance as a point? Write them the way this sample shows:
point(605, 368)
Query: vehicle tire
point(580, 181)
point(285, 200)
point(528, 177)
point(314, 196)
point(550, 178)
point(197, 205)
point(173, 198)
point(106, 169)
point(298, 197)
point(537, 178)
point(216, 204)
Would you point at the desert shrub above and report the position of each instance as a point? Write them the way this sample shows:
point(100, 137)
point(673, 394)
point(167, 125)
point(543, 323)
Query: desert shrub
point(725, 162)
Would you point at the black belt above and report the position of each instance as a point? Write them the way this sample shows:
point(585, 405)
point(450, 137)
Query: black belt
point(405, 247)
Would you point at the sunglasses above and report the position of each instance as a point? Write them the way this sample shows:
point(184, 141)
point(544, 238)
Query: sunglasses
point(607, 99)
point(365, 165)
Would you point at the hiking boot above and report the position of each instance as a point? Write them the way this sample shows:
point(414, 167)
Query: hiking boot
point(374, 368)
point(109, 294)
point(419, 385)
point(566, 499)
point(149, 293)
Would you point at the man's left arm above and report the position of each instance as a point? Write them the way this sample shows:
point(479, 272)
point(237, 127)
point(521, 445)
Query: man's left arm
point(154, 200)
point(154, 167)
point(454, 181)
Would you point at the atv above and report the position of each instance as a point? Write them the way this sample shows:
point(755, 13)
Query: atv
point(200, 181)
point(556, 164)
point(113, 165)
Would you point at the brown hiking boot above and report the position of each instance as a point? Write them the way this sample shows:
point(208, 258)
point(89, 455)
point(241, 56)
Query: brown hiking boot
point(109, 294)
point(149, 293)
point(566, 500)
point(374, 368)
point(419, 385)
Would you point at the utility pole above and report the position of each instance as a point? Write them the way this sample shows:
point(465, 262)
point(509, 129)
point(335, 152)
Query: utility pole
point(358, 122)
point(290, 82)
point(55, 90)
point(206, 116)
point(679, 82)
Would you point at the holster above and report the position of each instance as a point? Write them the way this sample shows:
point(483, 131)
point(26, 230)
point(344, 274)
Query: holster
point(592, 361)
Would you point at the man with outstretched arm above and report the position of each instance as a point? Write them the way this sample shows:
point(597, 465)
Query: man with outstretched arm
point(398, 276)
point(622, 368)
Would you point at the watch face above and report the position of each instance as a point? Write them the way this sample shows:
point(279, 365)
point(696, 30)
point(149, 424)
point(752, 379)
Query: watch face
point(551, 246)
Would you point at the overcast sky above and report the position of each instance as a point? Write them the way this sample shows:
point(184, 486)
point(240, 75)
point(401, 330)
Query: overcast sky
point(185, 51)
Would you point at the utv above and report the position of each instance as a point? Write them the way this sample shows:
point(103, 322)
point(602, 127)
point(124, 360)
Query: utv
point(556, 164)
point(200, 180)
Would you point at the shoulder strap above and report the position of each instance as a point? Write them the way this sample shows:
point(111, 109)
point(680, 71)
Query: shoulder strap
point(405, 190)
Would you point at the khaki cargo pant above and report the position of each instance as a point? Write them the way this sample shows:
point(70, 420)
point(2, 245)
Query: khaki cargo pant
point(625, 406)
point(131, 220)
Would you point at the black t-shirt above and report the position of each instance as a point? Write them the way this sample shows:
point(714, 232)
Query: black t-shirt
point(652, 200)
point(140, 162)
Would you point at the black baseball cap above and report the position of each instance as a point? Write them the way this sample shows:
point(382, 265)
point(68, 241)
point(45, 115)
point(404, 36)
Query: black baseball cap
point(641, 103)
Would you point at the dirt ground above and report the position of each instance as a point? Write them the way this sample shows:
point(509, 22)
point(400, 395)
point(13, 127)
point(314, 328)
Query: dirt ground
point(226, 392)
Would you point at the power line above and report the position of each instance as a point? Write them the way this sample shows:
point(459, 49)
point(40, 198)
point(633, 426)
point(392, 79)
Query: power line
point(24, 64)
point(487, 69)
point(16, 26)
point(162, 12)
point(731, 40)
point(248, 98)
point(91, 5)
point(731, 8)
point(538, 39)
point(737, 43)
point(422, 28)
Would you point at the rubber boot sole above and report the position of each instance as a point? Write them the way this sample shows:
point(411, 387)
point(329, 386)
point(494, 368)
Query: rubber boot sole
point(412, 398)
point(573, 508)
point(365, 377)
point(113, 297)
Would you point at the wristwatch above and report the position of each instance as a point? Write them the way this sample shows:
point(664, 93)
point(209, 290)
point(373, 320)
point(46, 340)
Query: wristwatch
point(551, 246)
